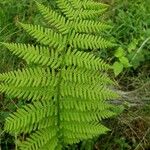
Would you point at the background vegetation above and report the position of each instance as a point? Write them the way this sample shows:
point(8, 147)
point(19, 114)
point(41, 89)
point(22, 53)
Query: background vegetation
point(130, 20)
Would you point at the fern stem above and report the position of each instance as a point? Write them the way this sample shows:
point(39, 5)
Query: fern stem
point(16, 142)
point(58, 87)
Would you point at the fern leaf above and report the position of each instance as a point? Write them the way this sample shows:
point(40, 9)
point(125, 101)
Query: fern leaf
point(89, 26)
point(54, 145)
point(84, 60)
point(74, 136)
point(93, 5)
point(81, 75)
point(85, 116)
point(40, 138)
point(34, 93)
point(42, 124)
point(38, 55)
point(53, 19)
point(84, 91)
point(91, 14)
point(87, 41)
point(31, 114)
point(30, 77)
point(76, 4)
point(66, 9)
point(83, 104)
point(44, 36)
point(29, 83)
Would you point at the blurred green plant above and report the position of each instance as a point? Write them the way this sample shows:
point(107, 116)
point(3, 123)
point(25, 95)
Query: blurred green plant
point(131, 21)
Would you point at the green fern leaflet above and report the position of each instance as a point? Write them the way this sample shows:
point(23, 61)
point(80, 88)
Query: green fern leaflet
point(67, 87)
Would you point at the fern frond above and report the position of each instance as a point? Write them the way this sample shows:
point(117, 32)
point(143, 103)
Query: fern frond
point(34, 93)
point(54, 19)
point(84, 91)
point(44, 36)
point(90, 14)
point(83, 104)
point(84, 60)
point(29, 83)
point(67, 87)
point(55, 145)
point(82, 75)
point(42, 124)
point(35, 54)
point(93, 5)
point(76, 4)
point(87, 41)
point(66, 8)
point(89, 26)
point(92, 129)
point(85, 116)
point(40, 138)
point(29, 115)
point(74, 136)
point(30, 77)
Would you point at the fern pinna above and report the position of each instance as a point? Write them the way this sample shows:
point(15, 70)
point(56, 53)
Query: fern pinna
point(67, 86)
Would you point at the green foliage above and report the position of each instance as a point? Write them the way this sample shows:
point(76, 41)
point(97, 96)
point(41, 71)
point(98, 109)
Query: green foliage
point(131, 30)
point(67, 88)
point(122, 61)
point(118, 68)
